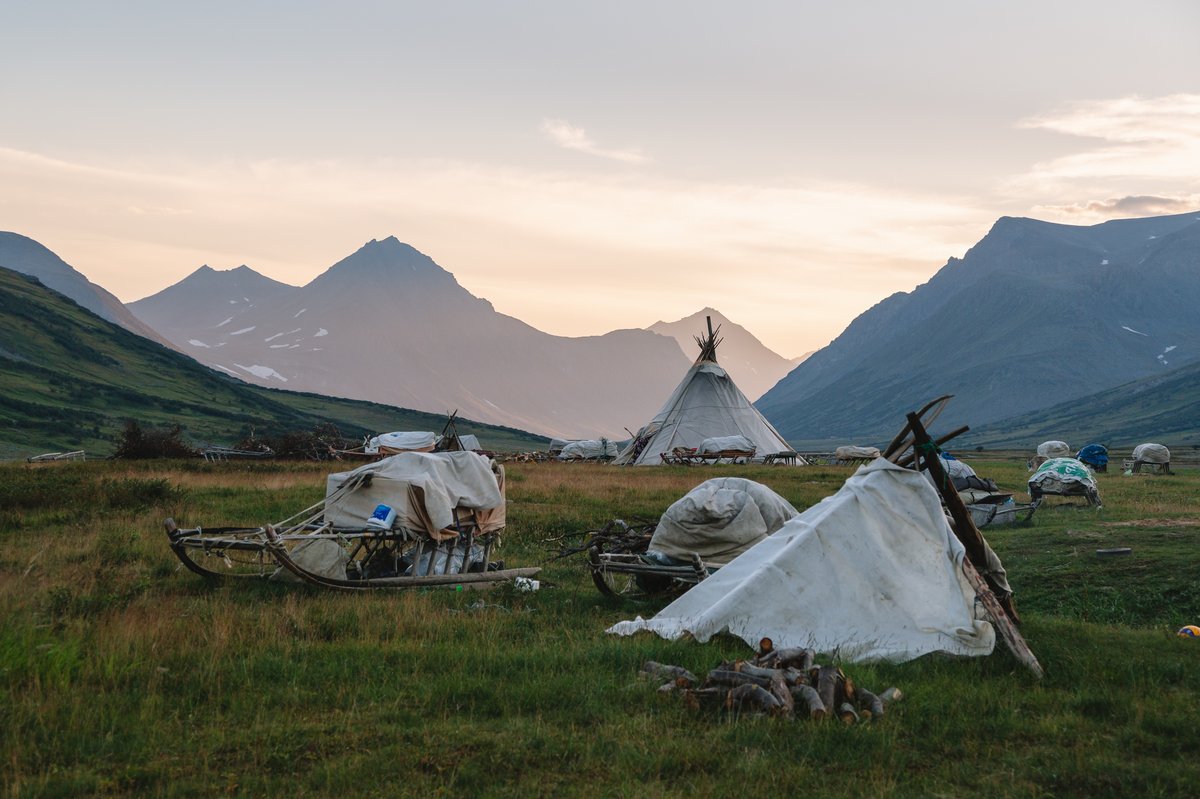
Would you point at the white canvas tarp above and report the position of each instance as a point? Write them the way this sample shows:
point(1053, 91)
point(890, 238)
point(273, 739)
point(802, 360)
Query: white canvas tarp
point(469, 442)
point(588, 449)
point(1054, 449)
point(706, 404)
point(1151, 453)
point(711, 446)
point(401, 442)
point(719, 520)
point(444, 481)
point(870, 573)
point(851, 452)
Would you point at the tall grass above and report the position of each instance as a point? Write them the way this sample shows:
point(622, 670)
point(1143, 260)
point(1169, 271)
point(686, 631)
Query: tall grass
point(122, 674)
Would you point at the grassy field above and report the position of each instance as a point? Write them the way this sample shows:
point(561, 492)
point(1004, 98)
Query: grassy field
point(122, 674)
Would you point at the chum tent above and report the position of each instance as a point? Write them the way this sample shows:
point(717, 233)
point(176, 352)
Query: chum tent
point(705, 405)
point(873, 572)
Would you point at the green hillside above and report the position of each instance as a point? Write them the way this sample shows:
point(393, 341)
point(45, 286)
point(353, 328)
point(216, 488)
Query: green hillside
point(1163, 409)
point(69, 380)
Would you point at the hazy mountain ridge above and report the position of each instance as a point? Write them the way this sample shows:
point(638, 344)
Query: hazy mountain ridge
point(753, 366)
point(23, 254)
point(388, 324)
point(1034, 314)
point(69, 379)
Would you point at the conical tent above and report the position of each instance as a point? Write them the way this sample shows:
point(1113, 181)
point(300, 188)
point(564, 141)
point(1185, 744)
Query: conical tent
point(706, 404)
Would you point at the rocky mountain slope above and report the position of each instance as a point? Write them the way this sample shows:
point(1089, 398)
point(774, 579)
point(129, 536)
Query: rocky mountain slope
point(1033, 315)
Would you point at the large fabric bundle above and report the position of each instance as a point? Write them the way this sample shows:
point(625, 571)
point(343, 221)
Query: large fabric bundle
point(1054, 449)
point(1064, 477)
point(1151, 453)
point(870, 573)
point(425, 489)
point(850, 452)
point(1094, 455)
point(719, 520)
point(401, 442)
point(588, 449)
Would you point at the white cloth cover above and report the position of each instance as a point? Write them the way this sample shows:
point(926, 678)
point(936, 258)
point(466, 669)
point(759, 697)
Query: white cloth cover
point(954, 469)
point(725, 444)
point(588, 448)
point(870, 573)
point(469, 442)
point(1151, 453)
point(405, 441)
point(449, 480)
point(322, 556)
point(706, 404)
point(851, 452)
point(720, 519)
point(1054, 449)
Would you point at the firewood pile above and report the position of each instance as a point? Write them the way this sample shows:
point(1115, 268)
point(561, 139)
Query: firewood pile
point(777, 682)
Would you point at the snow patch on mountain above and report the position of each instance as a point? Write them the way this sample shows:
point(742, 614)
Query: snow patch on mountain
point(243, 330)
point(197, 343)
point(261, 371)
point(1131, 330)
point(321, 332)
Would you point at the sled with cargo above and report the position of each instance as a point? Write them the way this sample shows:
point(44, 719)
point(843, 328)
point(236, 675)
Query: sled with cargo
point(410, 520)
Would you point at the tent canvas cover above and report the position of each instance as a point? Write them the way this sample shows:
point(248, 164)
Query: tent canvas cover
point(871, 573)
point(706, 404)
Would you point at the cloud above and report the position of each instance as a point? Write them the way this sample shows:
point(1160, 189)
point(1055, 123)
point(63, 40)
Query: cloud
point(569, 137)
point(1133, 146)
point(1138, 205)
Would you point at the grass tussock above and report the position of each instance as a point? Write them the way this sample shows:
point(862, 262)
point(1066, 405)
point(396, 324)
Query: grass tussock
point(122, 674)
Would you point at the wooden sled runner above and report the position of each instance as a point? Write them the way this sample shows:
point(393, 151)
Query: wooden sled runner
point(412, 520)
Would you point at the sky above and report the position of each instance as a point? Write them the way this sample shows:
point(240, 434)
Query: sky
point(589, 166)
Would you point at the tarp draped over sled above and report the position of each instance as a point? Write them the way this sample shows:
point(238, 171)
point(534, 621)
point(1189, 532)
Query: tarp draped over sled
point(401, 442)
point(1151, 453)
point(425, 489)
point(588, 449)
point(1065, 477)
point(719, 520)
point(871, 573)
point(852, 452)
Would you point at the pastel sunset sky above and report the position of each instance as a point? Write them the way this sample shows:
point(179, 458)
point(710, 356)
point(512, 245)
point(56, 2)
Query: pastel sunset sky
point(588, 166)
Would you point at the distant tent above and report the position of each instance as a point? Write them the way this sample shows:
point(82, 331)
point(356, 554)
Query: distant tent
point(1095, 456)
point(705, 405)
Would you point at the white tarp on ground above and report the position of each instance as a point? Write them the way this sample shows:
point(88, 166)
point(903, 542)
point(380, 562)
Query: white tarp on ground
point(402, 442)
point(720, 519)
point(870, 573)
point(1054, 449)
point(711, 446)
point(851, 452)
point(447, 480)
point(706, 404)
point(588, 449)
point(1151, 453)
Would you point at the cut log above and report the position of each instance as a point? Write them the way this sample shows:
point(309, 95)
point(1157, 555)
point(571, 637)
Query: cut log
point(870, 705)
point(781, 692)
point(765, 647)
point(796, 657)
point(847, 714)
point(890, 695)
point(682, 676)
point(669, 688)
point(726, 677)
point(795, 676)
point(827, 685)
point(752, 696)
point(746, 667)
point(808, 697)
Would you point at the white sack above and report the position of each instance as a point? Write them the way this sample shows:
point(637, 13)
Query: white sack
point(871, 573)
point(720, 519)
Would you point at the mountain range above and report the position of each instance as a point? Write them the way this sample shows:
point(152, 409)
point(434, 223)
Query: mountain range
point(389, 325)
point(1034, 315)
point(69, 380)
point(23, 254)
